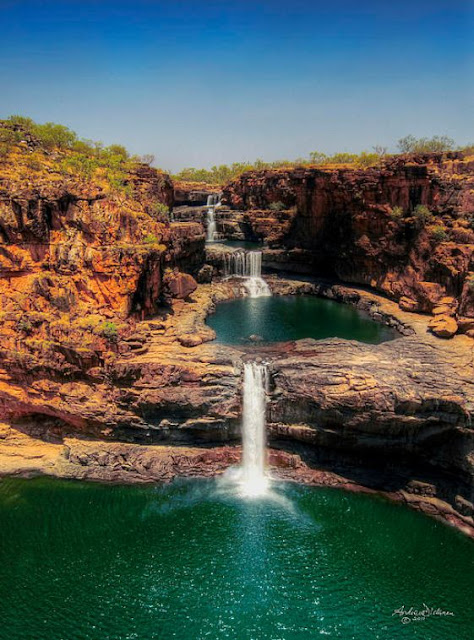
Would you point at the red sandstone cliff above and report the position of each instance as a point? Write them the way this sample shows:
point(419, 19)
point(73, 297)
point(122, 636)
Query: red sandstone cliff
point(362, 226)
point(82, 260)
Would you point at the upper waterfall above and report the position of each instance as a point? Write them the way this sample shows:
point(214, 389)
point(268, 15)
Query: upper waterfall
point(212, 203)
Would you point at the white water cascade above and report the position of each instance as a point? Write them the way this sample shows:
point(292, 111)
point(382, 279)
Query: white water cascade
point(254, 481)
point(248, 265)
point(212, 203)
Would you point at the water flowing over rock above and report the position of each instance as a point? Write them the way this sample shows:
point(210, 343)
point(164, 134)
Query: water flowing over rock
point(361, 225)
point(248, 265)
point(212, 203)
point(254, 478)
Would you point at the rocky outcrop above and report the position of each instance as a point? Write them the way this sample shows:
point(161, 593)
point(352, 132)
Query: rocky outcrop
point(193, 194)
point(82, 260)
point(404, 228)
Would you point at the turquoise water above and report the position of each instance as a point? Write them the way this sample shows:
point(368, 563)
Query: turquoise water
point(281, 318)
point(191, 561)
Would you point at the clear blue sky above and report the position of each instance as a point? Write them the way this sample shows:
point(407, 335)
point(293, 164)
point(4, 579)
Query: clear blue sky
point(202, 83)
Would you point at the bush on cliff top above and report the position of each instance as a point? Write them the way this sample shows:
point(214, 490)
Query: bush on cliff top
point(77, 157)
point(436, 144)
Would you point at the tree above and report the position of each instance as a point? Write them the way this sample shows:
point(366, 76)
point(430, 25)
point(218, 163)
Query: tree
point(410, 144)
point(148, 159)
point(317, 157)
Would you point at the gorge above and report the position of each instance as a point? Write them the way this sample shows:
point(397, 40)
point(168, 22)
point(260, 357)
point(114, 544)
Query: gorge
point(327, 312)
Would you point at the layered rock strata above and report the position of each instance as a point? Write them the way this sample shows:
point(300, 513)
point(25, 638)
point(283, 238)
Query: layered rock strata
point(338, 406)
point(405, 228)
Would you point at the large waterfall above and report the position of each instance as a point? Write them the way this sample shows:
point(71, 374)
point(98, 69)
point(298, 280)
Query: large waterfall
point(212, 203)
point(248, 265)
point(254, 481)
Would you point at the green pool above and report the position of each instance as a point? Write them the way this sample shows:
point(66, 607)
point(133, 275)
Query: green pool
point(281, 318)
point(191, 561)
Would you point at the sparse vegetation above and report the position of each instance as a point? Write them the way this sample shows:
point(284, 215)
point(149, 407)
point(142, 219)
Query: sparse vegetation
point(277, 206)
point(397, 213)
point(67, 153)
point(439, 233)
point(151, 239)
point(24, 325)
point(108, 330)
point(159, 211)
point(422, 214)
point(410, 144)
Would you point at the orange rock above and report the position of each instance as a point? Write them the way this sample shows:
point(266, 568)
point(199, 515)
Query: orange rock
point(443, 326)
point(178, 285)
point(408, 304)
point(443, 309)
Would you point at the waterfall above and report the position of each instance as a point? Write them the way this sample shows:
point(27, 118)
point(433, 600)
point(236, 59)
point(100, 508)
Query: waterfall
point(254, 482)
point(211, 225)
point(212, 203)
point(248, 265)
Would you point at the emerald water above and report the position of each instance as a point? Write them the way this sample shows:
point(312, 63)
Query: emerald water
point(190, 561)
point(281, 318)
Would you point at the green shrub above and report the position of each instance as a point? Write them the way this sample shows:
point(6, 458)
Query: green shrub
point(277, 206)
point(109, 331)
point(318, 157)
point(151, 239)
point(396, 213)
point(24, 325)
point(159, 211)
point(366, 159)
point(410, 144)
point(439, 233)
point(422, 214)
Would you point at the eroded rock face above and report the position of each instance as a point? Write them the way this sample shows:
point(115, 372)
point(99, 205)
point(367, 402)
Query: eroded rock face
point(347, 222)
point(81, 263)
point(193, 194)
point(405, 404)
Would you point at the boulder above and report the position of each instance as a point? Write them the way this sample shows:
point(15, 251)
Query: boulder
point(178, 285)
point(205, 274)
point(443, 326)
point(408, 304)
point(465, 325)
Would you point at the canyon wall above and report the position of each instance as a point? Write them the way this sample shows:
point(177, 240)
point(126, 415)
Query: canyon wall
point(366, 225)
point(82, 260)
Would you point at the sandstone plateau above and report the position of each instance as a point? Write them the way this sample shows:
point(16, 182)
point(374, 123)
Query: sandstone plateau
point(109, 372)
